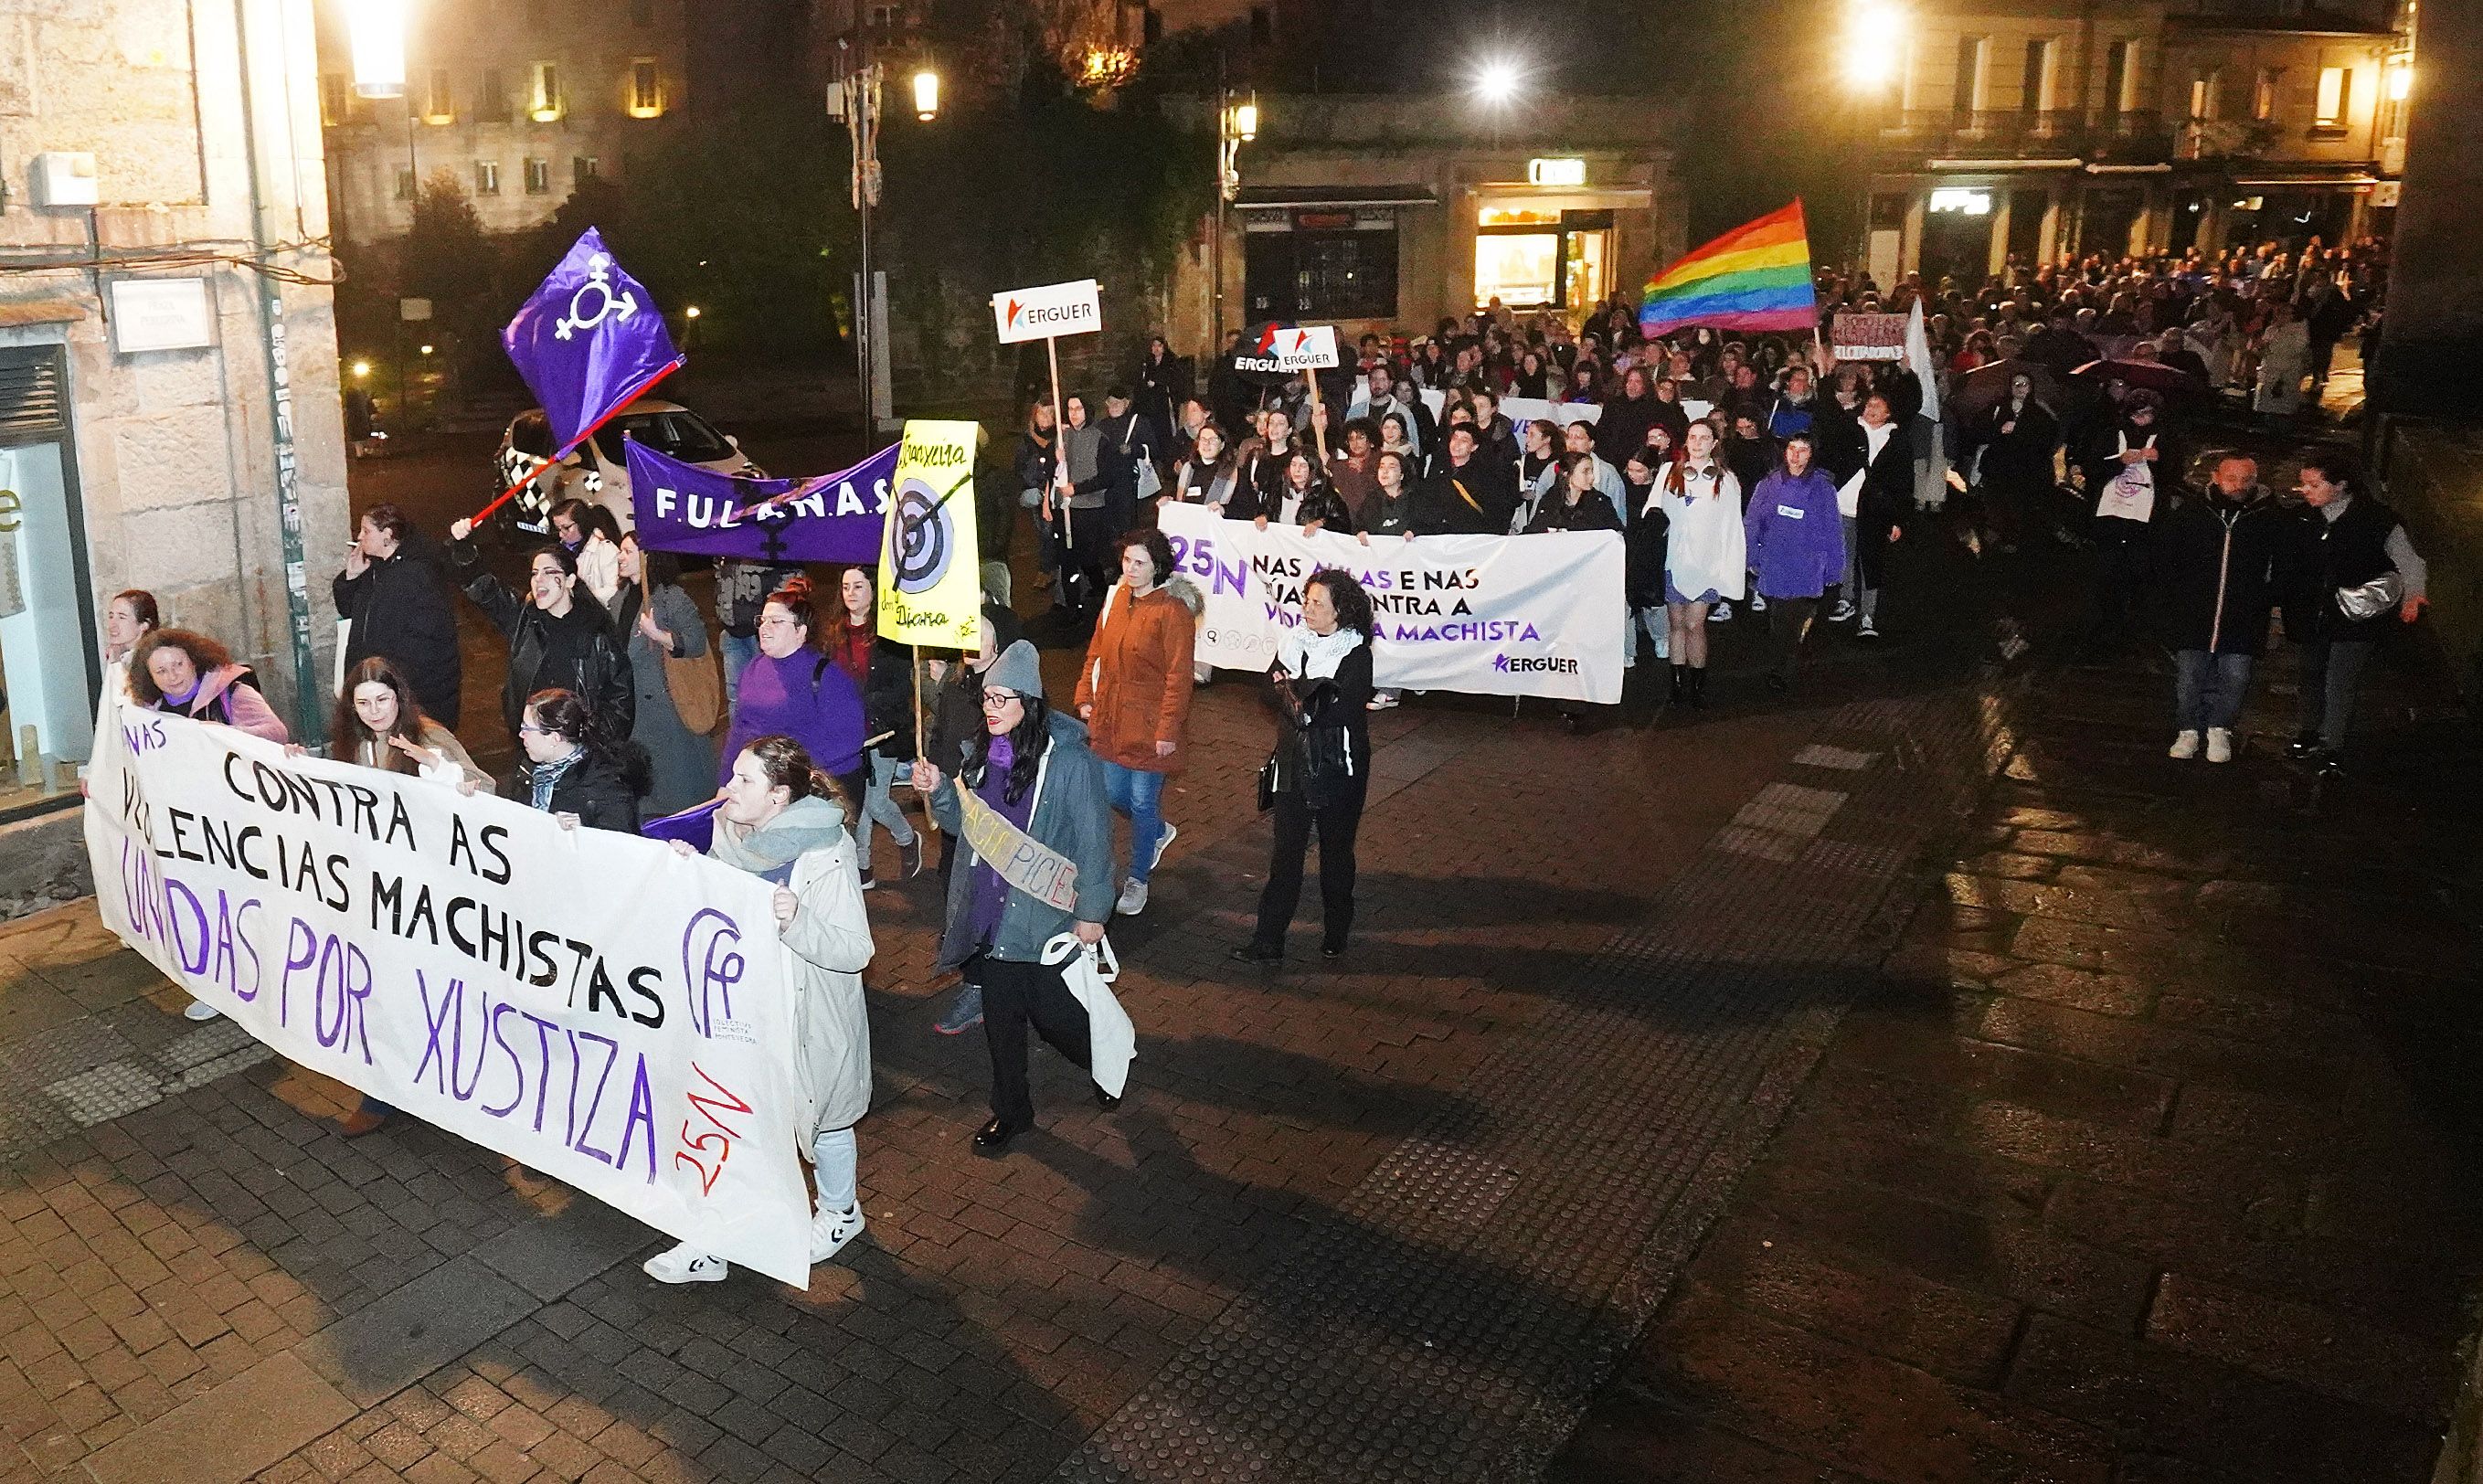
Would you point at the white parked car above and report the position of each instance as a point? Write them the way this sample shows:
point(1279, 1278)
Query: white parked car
point(599, 471)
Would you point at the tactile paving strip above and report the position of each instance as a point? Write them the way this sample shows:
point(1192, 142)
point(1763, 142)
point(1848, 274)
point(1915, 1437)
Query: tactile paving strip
point(1451, 1317)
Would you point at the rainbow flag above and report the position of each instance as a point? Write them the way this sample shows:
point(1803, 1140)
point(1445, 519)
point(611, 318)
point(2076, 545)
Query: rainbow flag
point(1753, 278)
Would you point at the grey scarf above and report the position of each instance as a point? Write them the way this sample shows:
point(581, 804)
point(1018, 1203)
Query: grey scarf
point(809, 824)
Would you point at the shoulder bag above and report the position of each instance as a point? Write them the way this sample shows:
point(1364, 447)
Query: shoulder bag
point(696, 684)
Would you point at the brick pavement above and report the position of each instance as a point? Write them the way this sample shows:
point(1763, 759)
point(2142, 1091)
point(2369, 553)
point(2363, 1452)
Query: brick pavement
point(2148, 1158)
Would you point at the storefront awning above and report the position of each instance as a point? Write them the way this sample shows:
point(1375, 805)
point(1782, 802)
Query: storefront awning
point(1336, 197)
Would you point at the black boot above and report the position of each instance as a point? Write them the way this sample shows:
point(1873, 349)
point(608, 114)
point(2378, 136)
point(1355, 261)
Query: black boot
point(1680, 684)
point(1698, 686)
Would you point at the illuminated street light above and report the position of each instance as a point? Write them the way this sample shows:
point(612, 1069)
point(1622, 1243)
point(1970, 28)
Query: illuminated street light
point(1246, 122)
point(692, 313)
point(1875, 46)
point(1497, 83)
point(426, 349)
point(926, 95)
point(376, 29)
point(2400, 80)
point(362, 370)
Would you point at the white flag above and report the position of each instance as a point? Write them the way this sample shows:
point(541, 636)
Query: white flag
point(1918, 359)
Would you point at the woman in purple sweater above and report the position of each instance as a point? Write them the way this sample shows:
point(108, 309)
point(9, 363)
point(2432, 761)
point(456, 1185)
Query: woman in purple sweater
point(1797, 548)
point(794, 689)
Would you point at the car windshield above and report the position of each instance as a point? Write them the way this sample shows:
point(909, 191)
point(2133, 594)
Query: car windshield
point(531, 434)
point(684, 436)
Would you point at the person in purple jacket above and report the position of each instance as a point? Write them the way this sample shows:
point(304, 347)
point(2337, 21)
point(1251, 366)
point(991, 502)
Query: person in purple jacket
point(1797, 548)
point(191, 674)
point(793, 688)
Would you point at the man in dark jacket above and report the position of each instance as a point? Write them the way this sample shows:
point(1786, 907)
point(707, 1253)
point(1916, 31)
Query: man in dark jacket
point(1471, 495)
point(1128, 440)
point(392, 594)
point(2222, 557)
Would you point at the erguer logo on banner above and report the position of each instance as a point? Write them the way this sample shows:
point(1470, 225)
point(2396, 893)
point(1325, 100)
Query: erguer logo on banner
point(1053, 310)
point(1307, 348)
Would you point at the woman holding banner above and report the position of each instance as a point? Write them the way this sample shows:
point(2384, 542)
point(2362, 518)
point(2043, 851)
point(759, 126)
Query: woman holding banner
point(1320, 770)
point(1038, 870)
point(781, 820)
point(1207, 477)
point(191, 674)
point(1644, 545)
point(380, 724)
point(1133, 695)
point(576, 769)
point(1702, 556)
point(1577, 505)
point(657, 621)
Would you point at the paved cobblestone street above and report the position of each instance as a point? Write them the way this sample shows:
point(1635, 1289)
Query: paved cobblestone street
point(2133, 1157)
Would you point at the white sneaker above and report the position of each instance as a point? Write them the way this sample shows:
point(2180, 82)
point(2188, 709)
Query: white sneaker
point(1382, 700)
point(830, 1230)
point(2219, 745)
point(1134, 899)
point(1721, 613)
point(1758, 603)
point(2185, 747)
point(200, 1010)
point(1866, 629)
point(1163, 842)
point(1842, 613)
point(685, 1264)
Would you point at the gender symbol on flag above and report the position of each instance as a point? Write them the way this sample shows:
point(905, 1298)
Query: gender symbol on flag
point(926, 538)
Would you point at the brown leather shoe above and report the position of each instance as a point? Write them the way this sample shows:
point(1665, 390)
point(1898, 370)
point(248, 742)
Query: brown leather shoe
point(359, 1121)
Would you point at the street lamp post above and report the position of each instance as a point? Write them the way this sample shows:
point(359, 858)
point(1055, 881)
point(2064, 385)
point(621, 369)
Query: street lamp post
point(855, 98)
point(1237, 124)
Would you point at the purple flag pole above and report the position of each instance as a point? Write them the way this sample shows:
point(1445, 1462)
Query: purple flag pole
point(511, 493)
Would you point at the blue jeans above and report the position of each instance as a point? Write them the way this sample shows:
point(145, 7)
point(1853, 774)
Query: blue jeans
point(739, 651)
point(1138, 794)
point(2207, 689)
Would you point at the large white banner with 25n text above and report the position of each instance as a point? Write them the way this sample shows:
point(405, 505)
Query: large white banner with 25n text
point(1492, 615)
point(583, 1001)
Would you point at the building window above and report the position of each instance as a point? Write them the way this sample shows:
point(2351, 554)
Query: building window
point(492, 103)
point(543, 93)
point(439, 99)
point(2120, 62)
point(1321, 274)
point(2203, 89)
point(646, 91)
point(2263, 93)
point(335, 92)
point(582, 169)
point(1965, 91)
point(487, 177)
point(2336, 97)
point(2035, 94)
point(46, 601)
point(538, 177)
point(405, 182)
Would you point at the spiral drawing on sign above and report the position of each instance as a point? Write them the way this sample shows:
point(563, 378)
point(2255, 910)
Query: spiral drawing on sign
point(926, 538)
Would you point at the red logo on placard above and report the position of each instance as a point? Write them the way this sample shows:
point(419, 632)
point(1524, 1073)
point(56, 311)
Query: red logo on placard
point(1301, 338)
point(1013, 308)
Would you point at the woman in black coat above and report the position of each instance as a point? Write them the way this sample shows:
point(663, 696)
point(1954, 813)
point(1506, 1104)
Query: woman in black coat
point(392, 594)
point(2019, 436)
point(575, 770)
point(559, 636)
point(1322, 762)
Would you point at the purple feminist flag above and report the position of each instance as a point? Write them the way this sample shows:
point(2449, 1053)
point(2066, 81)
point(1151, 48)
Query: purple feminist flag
point(589, 341)
point(694, 827)
point(834, 518)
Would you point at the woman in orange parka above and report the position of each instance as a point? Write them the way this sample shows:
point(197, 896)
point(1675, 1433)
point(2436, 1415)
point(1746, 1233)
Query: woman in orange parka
point(1133, 695)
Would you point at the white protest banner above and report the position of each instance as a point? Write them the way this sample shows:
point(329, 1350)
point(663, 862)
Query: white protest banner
point(1493, 615)
point(1048, 312)
point(1521, 411)
point(1306, 348)
point(586, 1002)
point(1856, 335)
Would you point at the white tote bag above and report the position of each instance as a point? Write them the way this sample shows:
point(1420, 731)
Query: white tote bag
point(1112, 1041)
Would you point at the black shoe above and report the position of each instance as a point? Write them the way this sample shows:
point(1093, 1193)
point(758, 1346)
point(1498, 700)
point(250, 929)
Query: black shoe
point(2305, 744)
point(992, 1140)
point(867, 883)
point(1252, 953)
point(1698, 687)
point(1681, 683)
point(909, 857)
point(1107, 1101)
point(1576, 721)
point(1331, 950)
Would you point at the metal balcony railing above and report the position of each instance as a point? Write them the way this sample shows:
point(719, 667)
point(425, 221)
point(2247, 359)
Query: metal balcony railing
point(2137, 137)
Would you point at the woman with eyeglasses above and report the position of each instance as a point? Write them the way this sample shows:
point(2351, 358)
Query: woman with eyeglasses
point(795, 689)
point(1027, 778)
point(559, 636)
point(577, 770)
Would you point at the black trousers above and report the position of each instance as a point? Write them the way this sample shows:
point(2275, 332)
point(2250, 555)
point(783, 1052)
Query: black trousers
point(1337, 823)
point(1016, 995)
point(1789, 619)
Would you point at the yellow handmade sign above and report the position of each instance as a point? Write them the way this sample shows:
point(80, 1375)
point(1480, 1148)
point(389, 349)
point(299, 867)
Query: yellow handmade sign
point(930, 579)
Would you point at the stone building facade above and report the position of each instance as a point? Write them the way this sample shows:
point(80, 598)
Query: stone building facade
point(169, 407)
